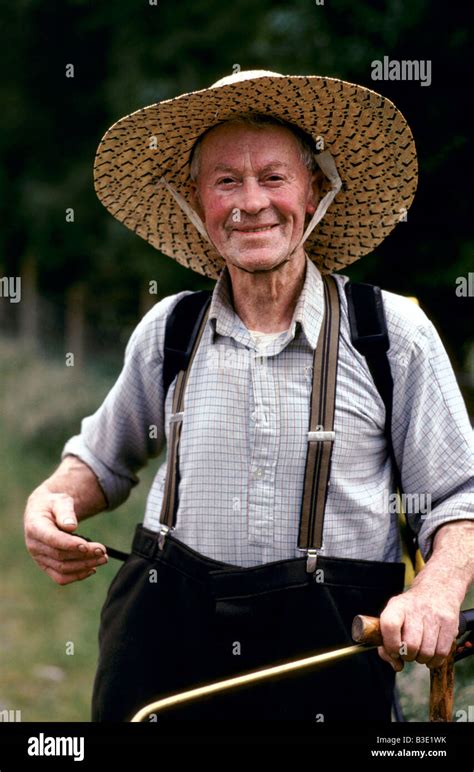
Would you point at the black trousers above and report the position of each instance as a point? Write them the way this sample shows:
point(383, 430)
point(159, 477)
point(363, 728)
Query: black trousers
point(175, 619)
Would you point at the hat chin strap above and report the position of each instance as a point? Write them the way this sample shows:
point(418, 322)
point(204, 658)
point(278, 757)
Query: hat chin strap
point(327, 165)
point(187, 209)
point(325, 162)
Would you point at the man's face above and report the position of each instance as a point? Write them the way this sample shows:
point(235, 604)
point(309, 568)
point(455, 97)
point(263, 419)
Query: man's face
point(253, 192)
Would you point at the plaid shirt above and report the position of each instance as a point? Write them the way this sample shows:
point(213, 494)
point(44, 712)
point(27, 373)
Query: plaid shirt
point(244, 434)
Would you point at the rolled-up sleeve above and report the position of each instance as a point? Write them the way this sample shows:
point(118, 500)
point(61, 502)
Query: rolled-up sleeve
point(128, 428)
point(432, 435)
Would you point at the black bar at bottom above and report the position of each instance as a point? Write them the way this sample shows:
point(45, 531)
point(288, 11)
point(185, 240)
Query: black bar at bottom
point(81, 746)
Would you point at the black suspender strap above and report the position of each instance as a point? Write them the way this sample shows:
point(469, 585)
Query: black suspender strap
point(369, 335)
point(182, 327)
point(170, 498)
point(321, 430)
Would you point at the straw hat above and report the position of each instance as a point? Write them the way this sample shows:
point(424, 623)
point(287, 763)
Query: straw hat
point(141, 170)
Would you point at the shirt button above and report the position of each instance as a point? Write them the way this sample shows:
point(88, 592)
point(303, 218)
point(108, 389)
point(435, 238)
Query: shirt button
point(258, 473)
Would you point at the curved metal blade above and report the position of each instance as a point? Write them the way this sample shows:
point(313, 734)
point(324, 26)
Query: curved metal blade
point(246, 678)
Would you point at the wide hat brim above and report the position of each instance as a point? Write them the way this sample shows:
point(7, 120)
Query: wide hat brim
point(368, 137)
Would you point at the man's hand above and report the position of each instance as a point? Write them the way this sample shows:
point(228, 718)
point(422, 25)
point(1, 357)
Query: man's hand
point(421, 623)
point(52, 515)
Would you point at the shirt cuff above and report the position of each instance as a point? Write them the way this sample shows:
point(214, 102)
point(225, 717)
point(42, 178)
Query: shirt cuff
point(116, 488)
point(462, 511)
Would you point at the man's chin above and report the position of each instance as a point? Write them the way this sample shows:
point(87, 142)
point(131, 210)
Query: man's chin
point(258, 260)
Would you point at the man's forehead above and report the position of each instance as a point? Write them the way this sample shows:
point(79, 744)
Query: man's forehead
point(225, 133)
point(227, 142)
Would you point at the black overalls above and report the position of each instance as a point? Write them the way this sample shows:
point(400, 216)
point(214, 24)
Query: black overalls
point(174, 619)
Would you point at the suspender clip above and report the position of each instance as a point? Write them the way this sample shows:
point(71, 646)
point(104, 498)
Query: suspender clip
point(311, 561)
point(162, 533)
point(321, 436)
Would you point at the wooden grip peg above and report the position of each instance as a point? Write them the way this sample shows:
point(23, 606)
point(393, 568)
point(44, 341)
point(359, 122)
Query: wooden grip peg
point(366, 630)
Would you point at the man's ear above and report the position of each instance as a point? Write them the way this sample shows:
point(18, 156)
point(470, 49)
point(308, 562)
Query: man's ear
point(196, 200)
point(316, 181)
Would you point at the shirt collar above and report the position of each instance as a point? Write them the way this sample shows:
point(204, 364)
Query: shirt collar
point(308, 311)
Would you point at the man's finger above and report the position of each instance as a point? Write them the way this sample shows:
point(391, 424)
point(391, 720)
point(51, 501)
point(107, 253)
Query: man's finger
point(43, 529)
point(413, 629)
point(91, 549)
point(72, 567)
point(397, 663)
point(447, 632)
point(391, 624)
point(63, 580)
point(428, 645)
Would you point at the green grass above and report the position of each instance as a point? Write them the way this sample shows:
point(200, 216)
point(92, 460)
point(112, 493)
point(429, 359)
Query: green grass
point(37, 617)
point(40, 407)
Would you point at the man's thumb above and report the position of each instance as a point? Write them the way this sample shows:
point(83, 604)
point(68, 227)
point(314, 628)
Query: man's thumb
point(64, 512)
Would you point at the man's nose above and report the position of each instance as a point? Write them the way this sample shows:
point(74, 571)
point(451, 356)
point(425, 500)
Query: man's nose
point(252, 197)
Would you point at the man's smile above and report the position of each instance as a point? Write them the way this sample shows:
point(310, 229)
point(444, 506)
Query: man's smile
point(256, 229)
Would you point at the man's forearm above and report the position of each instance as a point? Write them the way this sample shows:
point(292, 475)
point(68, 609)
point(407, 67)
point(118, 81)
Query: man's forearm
point(451, 564)
point(78, 480)
point(425, 618)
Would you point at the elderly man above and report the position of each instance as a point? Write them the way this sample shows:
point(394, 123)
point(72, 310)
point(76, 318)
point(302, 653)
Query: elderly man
point(265, 539)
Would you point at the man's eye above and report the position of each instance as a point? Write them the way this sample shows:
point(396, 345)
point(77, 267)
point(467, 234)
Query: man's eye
point(274, 178)
point(225, 181)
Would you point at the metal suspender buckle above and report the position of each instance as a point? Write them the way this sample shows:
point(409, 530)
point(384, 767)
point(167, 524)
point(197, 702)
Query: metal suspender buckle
point(311, 561)
point(321, 436)
point(162, 533)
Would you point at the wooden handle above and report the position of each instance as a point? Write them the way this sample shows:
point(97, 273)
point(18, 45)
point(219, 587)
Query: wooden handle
point(366, 630)
point(442, 689)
